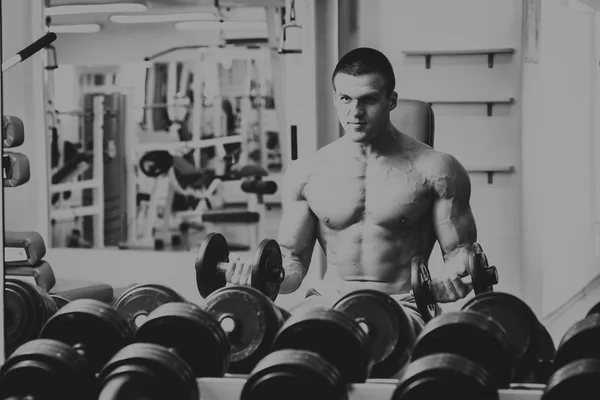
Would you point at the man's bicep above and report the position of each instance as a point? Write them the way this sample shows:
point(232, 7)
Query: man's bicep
point(454, 225)
point(298, 225)
point(453, 218)
point(297, 230)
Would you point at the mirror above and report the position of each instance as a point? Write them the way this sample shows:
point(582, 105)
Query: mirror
point(143, 147)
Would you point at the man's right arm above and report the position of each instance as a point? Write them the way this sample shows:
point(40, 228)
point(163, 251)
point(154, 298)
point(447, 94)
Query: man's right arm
point(297, 230)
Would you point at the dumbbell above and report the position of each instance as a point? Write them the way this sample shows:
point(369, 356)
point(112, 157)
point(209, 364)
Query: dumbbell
point(45, 369)
point(140, 300)
point(60, 301)
point(445, 375)
point(577, 360)
point(74, 344)
point(334, 336)
point(483, 278)
point(390, 331)
point(534, 350)
point(190, 332)
point(27, 309)
point(92, 328)
point(147, 371)
point(473, 335)
point(213, 261)
point(250, 320)
point(294, 375)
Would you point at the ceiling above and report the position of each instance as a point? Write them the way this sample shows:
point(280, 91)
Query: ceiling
point(236, 10)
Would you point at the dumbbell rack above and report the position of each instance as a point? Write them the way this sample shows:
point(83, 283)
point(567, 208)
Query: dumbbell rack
point(230, 388)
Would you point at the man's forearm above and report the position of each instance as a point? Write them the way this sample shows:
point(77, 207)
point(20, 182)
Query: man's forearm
point(295, 271)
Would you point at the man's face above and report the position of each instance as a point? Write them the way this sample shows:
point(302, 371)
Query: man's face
point(363, 105)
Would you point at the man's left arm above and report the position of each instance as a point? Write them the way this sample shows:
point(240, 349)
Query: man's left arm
point(455, 228)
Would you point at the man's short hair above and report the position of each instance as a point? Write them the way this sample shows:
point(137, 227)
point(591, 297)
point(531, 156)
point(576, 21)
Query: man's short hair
point(365, 60)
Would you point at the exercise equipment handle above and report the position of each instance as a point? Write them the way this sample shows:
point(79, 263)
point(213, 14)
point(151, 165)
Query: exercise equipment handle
point(276, 277)
point(28, 51)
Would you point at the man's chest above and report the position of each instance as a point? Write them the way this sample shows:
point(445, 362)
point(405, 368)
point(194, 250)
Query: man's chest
point(343, 195)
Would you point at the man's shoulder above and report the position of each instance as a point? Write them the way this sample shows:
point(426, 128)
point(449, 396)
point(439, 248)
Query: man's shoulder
point(435, 162)
point(443, 171)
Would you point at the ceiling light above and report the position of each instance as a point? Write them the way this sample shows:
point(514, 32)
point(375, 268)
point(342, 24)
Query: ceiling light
point(157, 18)
point(86, 28)
point(227, 25)
point(95, 8)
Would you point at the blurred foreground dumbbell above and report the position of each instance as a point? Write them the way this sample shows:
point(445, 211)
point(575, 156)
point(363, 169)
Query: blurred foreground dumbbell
point(577, 361)
point(473, 335)
point(72, 347)
point(27, 309)
point(147, 371)
point(483, 278)
point(213, 260)
point(495, 340)
point(531, 342)
point(177, 343)
point(445, 376)
point(366, 334)
point(293, 374)
point(334, 336)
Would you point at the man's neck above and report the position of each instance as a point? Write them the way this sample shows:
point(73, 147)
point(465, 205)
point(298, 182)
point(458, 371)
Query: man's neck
point(382, 144)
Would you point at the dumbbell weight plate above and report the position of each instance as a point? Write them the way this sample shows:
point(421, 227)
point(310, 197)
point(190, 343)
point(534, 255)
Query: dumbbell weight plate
point(194, 334)
point(580, 341)
point(95, 326)
point(483, 276)
point(579, 380)
point(213, 250)
point(47, 369)
point(445, 376)
point(594, 310)
point(472, 335)
point(140, 300)
point(294, 375)
point(420, 277)
point(59, 301)
point(50, 308)
point(334, 336)
point(256, 321)
point(268, 272)
point(172, 376)
point(391, 333)
point(519, 321)
point(545, 358)
point(27, 310)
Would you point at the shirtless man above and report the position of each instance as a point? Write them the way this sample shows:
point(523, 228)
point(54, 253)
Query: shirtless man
point(376, 200)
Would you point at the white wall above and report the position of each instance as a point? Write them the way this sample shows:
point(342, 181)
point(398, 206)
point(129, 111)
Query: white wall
point(558, 151)
point(463, 130)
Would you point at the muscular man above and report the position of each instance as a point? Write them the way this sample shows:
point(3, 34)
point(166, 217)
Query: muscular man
point(376, 200)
